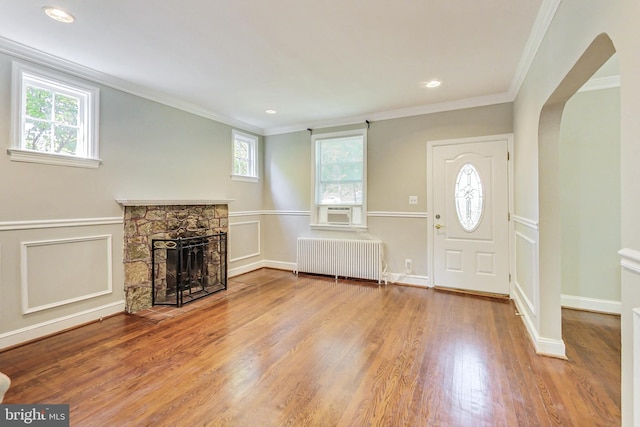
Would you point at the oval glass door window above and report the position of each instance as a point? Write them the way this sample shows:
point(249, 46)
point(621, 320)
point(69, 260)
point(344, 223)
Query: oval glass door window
point(468, 197)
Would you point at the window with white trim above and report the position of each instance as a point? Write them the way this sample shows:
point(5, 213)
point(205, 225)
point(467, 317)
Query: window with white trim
point(245, 156)
point(55, 118)
point(340, 177)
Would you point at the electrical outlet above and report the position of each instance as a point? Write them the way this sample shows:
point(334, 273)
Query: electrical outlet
point(413, 200)
point(408, 264)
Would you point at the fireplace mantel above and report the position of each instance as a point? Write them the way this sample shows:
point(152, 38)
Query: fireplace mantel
point(173, 202)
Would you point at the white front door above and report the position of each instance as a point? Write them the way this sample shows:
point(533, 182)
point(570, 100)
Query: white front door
point(470, 190)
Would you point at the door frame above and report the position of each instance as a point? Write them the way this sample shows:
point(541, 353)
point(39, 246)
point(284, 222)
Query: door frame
point(430, 182)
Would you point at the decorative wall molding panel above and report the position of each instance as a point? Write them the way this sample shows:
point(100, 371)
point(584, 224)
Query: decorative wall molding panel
point(526, 281)
point(72, 261)
point(247, 232)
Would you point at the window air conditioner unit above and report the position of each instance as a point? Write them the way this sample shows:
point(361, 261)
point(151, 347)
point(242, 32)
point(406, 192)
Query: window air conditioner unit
point(339, 215)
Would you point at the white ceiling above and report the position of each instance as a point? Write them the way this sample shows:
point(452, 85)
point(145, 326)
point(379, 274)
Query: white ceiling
point(314, 61)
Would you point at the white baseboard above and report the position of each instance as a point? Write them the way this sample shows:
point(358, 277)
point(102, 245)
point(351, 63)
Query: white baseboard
point(591, 304)
point(18, 336)
point(245, 268)
point(409, 279)
point(550, 347)
point(289, 266)
point(280, 265)
point(543, 346)
point(401, 279)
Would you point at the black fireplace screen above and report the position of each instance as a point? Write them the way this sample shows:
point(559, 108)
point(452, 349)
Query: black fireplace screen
point(187, 269)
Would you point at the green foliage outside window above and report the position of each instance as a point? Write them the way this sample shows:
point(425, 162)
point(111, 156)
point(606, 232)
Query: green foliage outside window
point(341, 170)
point(241, 158)
point(51, 121)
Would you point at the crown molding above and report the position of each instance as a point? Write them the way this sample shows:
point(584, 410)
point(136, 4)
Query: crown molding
point(543, 20)
point(546, 13)
point(480, 101)
point(22, 52)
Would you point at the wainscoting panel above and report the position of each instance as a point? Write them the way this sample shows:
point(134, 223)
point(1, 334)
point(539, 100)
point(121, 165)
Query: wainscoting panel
point(57, 274)
point(83, 265)
point(526, 280)
point(244, 240)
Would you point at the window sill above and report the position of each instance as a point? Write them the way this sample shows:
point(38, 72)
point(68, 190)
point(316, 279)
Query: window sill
point(334, 227)
point(245, 178)
point(18, 155)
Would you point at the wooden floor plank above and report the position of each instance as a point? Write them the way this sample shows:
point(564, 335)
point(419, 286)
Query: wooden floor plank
point(282, 350)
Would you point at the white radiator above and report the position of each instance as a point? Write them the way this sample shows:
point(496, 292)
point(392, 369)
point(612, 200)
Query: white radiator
point(360, 259)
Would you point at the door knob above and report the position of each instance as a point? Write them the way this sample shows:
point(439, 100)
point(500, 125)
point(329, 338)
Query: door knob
point(439, 226)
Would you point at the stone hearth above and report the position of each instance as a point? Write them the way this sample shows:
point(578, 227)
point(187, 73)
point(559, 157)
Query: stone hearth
point(147, 220)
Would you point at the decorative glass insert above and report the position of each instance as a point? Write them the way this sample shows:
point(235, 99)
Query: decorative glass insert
point(468, 197)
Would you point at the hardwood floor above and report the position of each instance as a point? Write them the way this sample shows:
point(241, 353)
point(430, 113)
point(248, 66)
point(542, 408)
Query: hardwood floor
point(297, 351)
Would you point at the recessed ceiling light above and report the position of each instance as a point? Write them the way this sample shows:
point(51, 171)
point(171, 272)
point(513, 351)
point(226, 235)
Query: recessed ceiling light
point(58, 14)
point(433, 83)
point(270, 111)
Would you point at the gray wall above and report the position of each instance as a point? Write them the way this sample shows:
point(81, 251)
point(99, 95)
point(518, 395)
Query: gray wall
point(566, 57)
point(590, 197)
point(148, 150)
point(397, 168)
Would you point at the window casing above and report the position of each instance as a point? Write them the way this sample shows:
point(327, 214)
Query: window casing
point(244, 157)
point(55, 118)
point(339, 180)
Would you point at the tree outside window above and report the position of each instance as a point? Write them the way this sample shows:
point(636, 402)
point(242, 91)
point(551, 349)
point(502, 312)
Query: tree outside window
point(55, 118)
point(51, 121)
point(245, 156)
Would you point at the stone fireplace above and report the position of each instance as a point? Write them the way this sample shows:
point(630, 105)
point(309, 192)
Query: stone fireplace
point(145, 220)
point(188, 268)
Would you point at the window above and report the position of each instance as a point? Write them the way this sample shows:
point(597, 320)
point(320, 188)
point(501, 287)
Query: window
point(245, 157)
point(340, 176)
point(55, 118)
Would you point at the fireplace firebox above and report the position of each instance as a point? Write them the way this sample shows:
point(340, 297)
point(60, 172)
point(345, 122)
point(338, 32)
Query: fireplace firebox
point(187, 269)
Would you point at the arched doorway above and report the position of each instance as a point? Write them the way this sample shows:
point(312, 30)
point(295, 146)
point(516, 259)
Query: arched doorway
point(550, 225)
